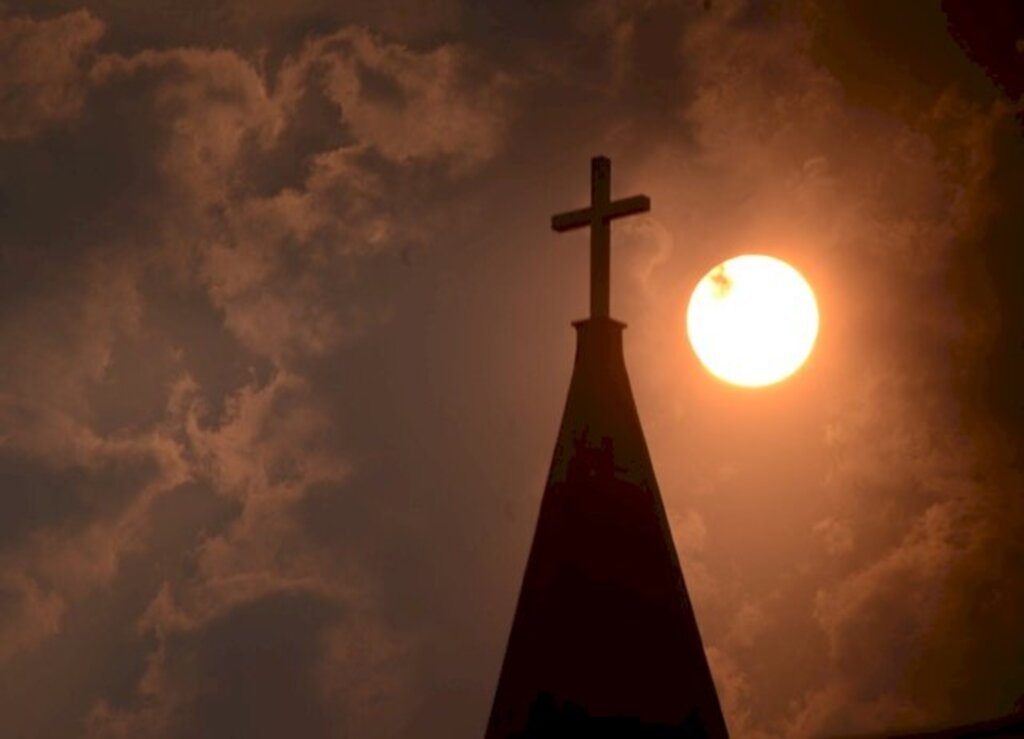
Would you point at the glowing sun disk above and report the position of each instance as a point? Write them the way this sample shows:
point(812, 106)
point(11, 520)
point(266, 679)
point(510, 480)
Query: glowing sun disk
point(752, 320)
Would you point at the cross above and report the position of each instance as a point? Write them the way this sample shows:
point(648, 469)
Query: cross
point(598, 216)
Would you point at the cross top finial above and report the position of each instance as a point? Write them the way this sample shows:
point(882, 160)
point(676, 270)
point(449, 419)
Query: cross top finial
point(598, 216)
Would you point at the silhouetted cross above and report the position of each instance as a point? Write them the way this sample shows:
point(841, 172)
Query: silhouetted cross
point(598, 216)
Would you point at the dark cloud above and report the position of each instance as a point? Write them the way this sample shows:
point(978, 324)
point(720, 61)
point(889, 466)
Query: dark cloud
point(42, 79)
point(253, 671)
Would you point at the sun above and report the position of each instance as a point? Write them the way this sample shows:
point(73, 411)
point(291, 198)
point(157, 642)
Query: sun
point(752, 320)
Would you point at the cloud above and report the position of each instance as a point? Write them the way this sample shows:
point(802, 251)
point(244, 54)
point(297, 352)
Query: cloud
point(414, 106)
point(771, 156)
point(81, 532)
point(888, 607)
point(43, 65)
point(733, 689)
point(60, 340)
point(209, 103)
point(28, 613)
point(267, 254)
point(266, 453)
point(192, 683)
point(250, 202)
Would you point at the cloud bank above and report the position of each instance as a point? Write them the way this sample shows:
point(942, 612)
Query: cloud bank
point(284, 350)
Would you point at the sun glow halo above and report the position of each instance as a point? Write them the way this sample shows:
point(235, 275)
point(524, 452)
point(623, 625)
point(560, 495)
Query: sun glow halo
point(752, 320)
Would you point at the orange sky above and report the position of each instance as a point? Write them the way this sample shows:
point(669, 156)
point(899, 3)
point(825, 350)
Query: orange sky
point(285, 342)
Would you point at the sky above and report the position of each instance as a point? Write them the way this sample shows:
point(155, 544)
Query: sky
point(285, 339)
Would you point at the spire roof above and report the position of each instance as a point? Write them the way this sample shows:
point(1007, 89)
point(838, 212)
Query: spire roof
point(604, 642)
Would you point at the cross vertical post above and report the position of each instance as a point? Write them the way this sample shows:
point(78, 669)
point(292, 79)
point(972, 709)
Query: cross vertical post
point(600, 238)
point(598, 217)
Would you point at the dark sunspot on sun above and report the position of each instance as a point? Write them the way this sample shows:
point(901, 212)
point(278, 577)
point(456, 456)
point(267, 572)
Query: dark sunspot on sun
point(722, 282)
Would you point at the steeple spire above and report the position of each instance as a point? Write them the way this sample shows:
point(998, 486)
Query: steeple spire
point(598, 216)
point(604, 642)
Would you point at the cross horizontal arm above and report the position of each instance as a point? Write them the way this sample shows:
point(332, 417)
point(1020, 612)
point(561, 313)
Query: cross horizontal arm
point(572, 219)
point(585, 216)
point(627, 207)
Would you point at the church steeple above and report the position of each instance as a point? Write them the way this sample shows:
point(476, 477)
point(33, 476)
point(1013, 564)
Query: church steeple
point(604, 642)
